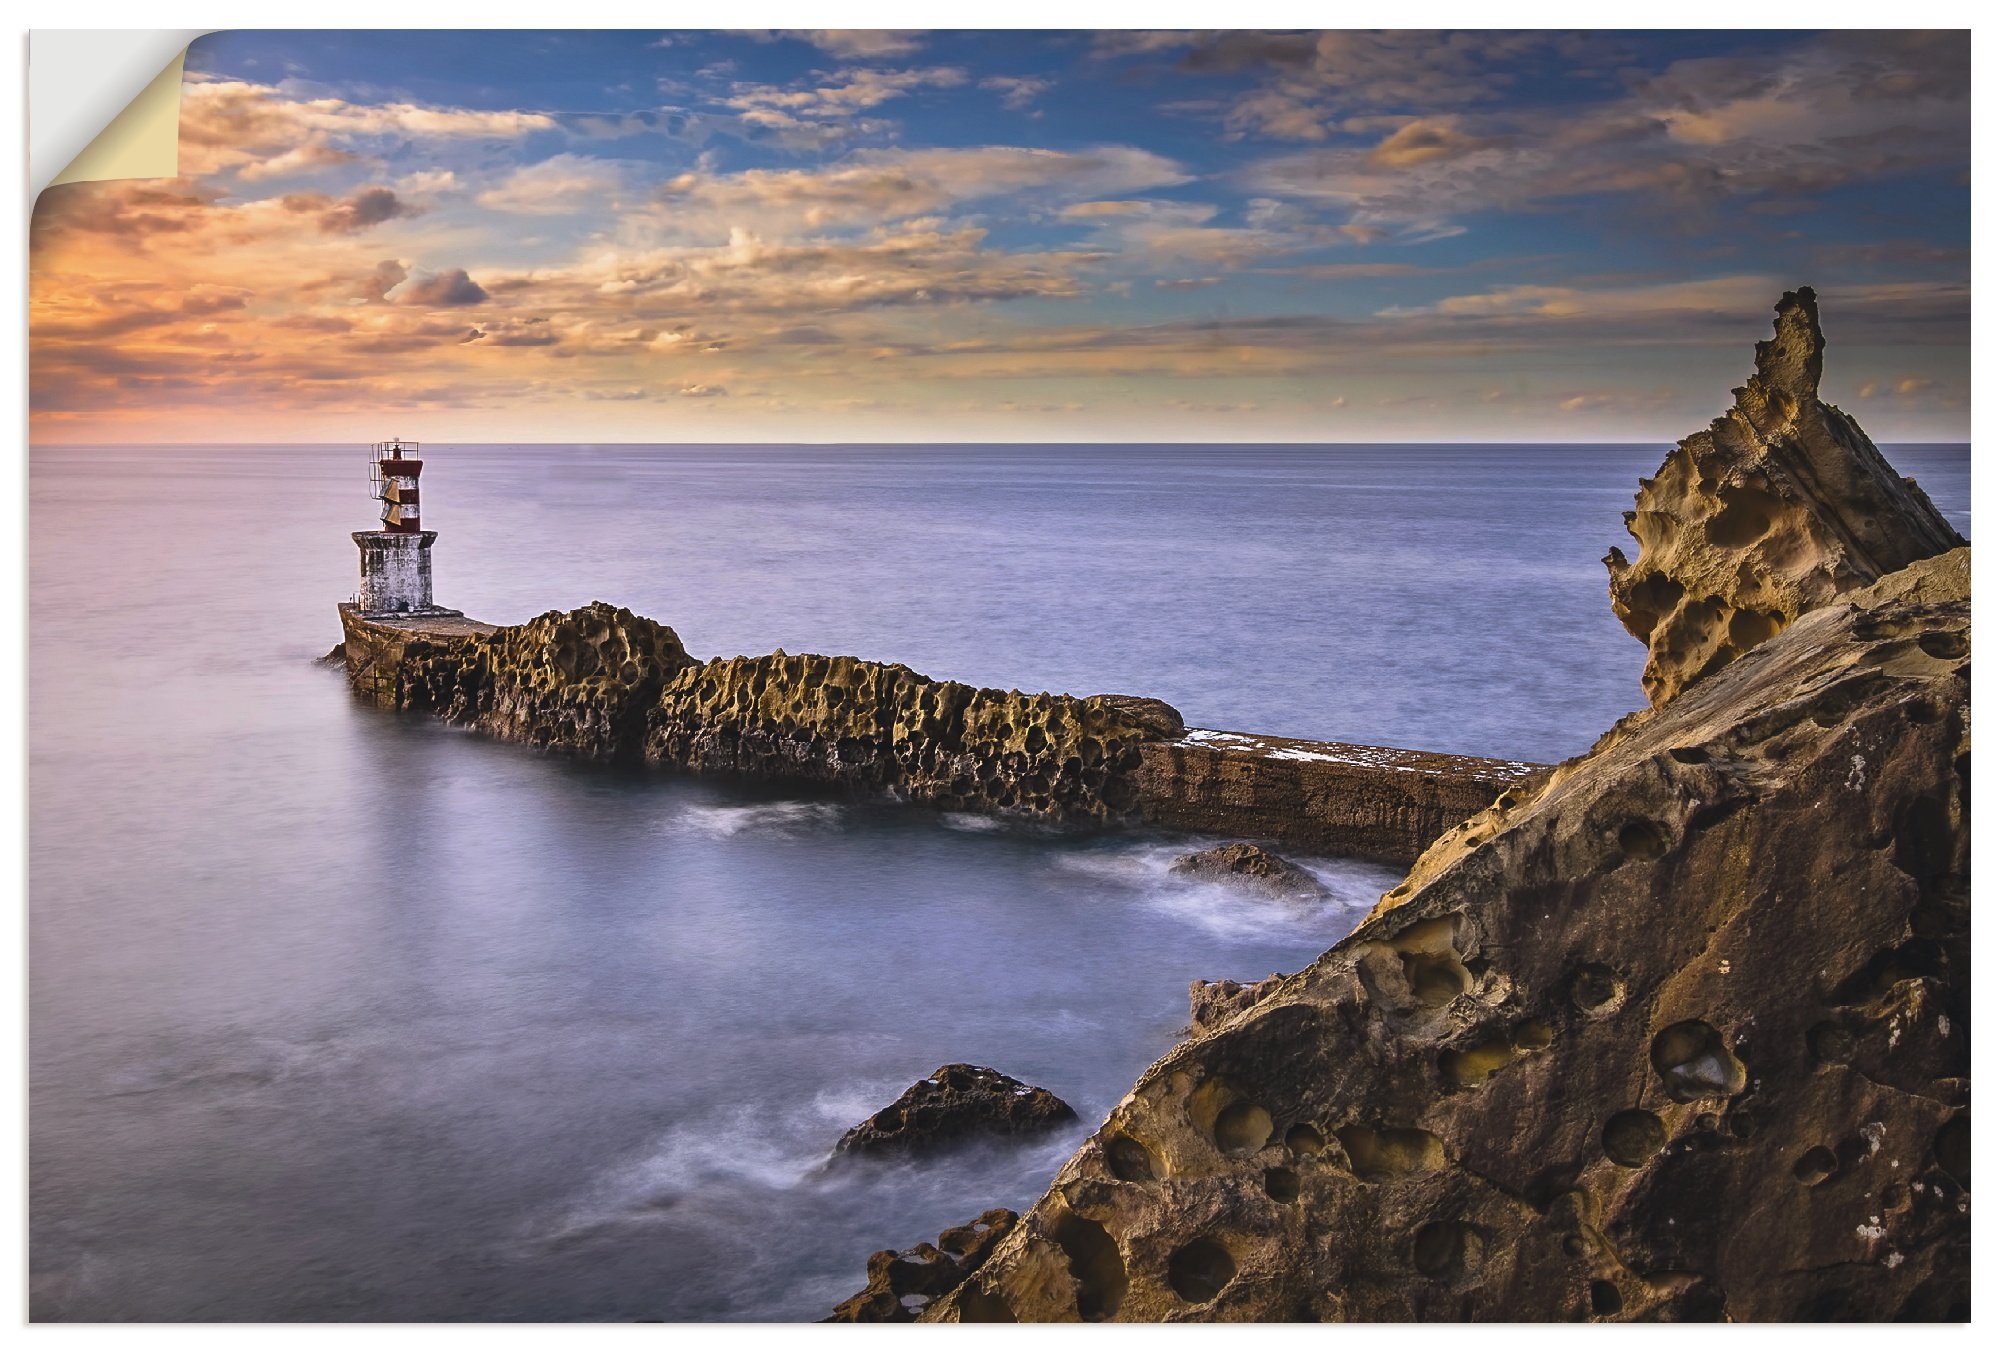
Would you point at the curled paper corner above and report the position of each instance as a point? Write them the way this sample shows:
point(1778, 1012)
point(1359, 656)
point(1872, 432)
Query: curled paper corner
point(102, 105)
point(143, 141)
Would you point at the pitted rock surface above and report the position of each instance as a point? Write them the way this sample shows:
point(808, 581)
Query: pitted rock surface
point(1213, 1003)
point(880, 726)
point(610, 685)
point(581, 680)
point(1253, 869)
point(903, 1283)
point(1781, 505)
point(1159, 719)
point(956, 1102)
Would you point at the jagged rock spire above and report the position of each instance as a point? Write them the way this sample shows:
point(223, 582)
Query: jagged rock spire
point(1793, 358)
point(1779, 506)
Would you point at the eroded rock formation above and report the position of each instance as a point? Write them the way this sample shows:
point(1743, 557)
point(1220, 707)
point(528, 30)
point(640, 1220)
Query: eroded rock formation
point(1251, 868)
point(583, 680)
point(607, 684)
point(1678, 1030)
point(879, 725)
point(1779, 506)
point(902, 1284)
point(1213, 1003)
point(954, 1103)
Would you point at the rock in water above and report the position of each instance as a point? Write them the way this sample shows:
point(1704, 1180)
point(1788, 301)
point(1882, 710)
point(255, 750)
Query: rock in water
point(901, 1285)
point(1782, 504)
point(582, 680)
point(1254, 868)
point(957, 1101)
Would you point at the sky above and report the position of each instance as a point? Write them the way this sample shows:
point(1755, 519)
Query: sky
point(1012, 236)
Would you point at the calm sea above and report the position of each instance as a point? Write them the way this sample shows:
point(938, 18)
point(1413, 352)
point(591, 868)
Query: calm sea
point(341, 1015)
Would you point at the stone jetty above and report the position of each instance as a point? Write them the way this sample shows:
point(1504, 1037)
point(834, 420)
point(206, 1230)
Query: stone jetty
point(610, 685)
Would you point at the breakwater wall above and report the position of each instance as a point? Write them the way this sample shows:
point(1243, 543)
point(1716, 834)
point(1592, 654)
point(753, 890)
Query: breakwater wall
point(610, 685)
point(1375, 802)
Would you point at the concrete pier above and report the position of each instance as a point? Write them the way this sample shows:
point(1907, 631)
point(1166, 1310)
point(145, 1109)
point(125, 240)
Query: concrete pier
point(1338, 798)
point(372, 645)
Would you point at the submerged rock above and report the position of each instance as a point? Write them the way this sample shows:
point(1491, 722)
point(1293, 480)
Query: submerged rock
point(904, 1283)
point(1253, 868)
point(956, 1102)
point(1677, 1029)
point(1782, 504)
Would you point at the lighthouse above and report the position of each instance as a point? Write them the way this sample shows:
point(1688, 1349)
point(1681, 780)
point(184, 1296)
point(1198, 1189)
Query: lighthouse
point(396, 556)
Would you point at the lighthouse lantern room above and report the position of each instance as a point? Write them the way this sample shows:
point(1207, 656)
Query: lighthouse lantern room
point(396, 556)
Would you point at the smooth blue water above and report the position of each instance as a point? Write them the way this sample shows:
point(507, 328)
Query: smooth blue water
point(339, 1015)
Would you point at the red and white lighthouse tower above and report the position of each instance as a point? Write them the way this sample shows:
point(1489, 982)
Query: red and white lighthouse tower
point(396, 558)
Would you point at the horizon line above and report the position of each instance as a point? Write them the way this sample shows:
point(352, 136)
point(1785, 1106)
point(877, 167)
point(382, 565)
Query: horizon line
point(1537, 443)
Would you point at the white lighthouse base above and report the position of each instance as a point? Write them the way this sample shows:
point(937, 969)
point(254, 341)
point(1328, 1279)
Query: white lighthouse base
point(395, 572)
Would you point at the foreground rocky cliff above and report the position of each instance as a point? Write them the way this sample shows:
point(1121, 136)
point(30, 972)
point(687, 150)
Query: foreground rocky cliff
point(1678, 1029)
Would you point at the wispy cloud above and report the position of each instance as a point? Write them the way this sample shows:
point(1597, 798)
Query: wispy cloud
point(875, 185)
point(563, 184)
point(862, 44)
point(1017, 91)
point(258, 132)
point(828, 109)
point(1833, 112)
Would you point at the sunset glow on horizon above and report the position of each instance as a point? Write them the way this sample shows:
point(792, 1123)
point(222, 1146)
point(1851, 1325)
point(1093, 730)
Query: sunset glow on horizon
point(1012, 236)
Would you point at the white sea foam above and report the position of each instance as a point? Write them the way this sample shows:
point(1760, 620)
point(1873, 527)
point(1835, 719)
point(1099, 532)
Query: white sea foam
point(848, 1104)
point(732, 1151)
point(1233, 914)
point(736, 819)
point(982, 823)
point(971, 821)
point(1144, 870)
